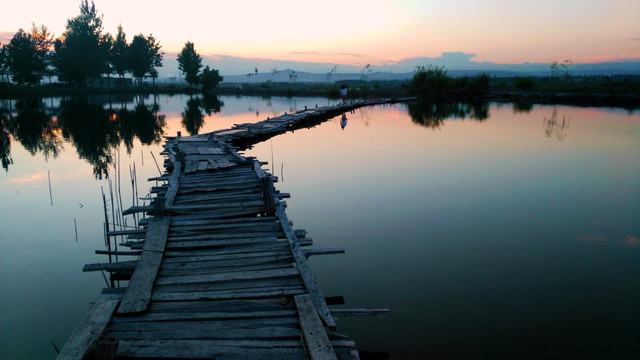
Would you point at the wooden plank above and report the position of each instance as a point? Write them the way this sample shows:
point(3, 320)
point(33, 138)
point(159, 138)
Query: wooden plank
point(210, 349)
point(210, 150)
point(212, 326)
point(224, 295)
point(190, 166)
point(202, 165)
point(315, 337)
point(358, 312)
point(89, 329)
point(305, 271)
point(206, 270)
point(195, 138)
point(113, 266)
point(330, 251)
point(125, 232)
point(173, 184)
point(226, 235)
point(230, 276)
point(203, 244)
point(202, 316)
point(120, 253)
point(138, 293)
point(213, 205)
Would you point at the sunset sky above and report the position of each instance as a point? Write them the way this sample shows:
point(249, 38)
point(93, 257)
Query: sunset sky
point(358, 32)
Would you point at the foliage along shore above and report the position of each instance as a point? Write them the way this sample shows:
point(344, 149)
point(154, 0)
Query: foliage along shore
point(619, 91)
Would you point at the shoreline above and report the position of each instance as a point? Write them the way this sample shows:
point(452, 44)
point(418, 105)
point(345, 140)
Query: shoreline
point(628, 100)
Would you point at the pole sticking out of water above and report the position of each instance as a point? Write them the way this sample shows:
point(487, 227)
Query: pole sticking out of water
point(272, 163)
point(75, 226)
point(50, 194)
point(155, 161)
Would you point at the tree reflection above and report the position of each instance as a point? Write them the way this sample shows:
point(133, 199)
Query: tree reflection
point(212, 104)
point(432, 115)
point(36, 130)
point(522, 107)
point(92, 131)
point(143, 122)
point(556, 127)
point(5, 140)
point(192, 118)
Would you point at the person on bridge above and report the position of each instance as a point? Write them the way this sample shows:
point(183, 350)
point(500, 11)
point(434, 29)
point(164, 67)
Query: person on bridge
point(343, 93)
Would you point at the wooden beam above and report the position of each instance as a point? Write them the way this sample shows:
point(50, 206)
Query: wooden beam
point(305, 272)
point(114, 266)
point(330, 251)
point(88, 331)
point(138, 294)
point(173, 183)
point(315, 337)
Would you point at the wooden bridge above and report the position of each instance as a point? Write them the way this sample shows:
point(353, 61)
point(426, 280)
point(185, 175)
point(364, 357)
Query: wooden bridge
point(221, 272)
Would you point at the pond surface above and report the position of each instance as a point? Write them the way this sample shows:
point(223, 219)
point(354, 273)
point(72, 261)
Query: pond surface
point(490, 231)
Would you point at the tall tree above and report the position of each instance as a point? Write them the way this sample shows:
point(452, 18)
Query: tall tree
point(3, 60)
point(144, 57)
point(139, 60)
point(156, 57)
point(118, 56)
point(210, 78)
point(189, 62)
point(42, 40)
point(81, 52)
point(26, 58)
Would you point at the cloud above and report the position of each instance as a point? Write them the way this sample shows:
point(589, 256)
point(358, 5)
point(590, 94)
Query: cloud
point(316, 53)
point(5, 37)
point(27, 179)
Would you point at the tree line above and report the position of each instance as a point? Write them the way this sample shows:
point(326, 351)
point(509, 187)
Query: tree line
point(85, 51)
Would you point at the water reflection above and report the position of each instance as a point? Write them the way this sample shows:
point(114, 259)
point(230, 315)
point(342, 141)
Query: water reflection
point(432, 115)
point(522, 107)
point(192, 117)
point(343, 121)
point(556, 127)
point(93, 130)
point(5, 141)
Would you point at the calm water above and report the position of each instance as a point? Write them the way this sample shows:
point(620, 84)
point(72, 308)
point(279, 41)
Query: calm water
point(489, 231)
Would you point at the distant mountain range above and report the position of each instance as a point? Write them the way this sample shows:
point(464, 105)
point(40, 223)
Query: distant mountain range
point(242, 70)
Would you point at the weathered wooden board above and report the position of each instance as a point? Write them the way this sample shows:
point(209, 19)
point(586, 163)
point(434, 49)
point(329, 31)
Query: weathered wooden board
point(204, 316)
point(173, 184)
point(239, 286)
point(231, 276)
point(195, 138)
point(204, 244)
point(138, 293)
point(226, 235)
point(89, 329)
point(210, 150)
point(113, 266)
point(203, 269)
point(315, 338)
point(225, 295)
point(225, 256)
point(211, 349)
point(212, 326)
point(305, 271)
